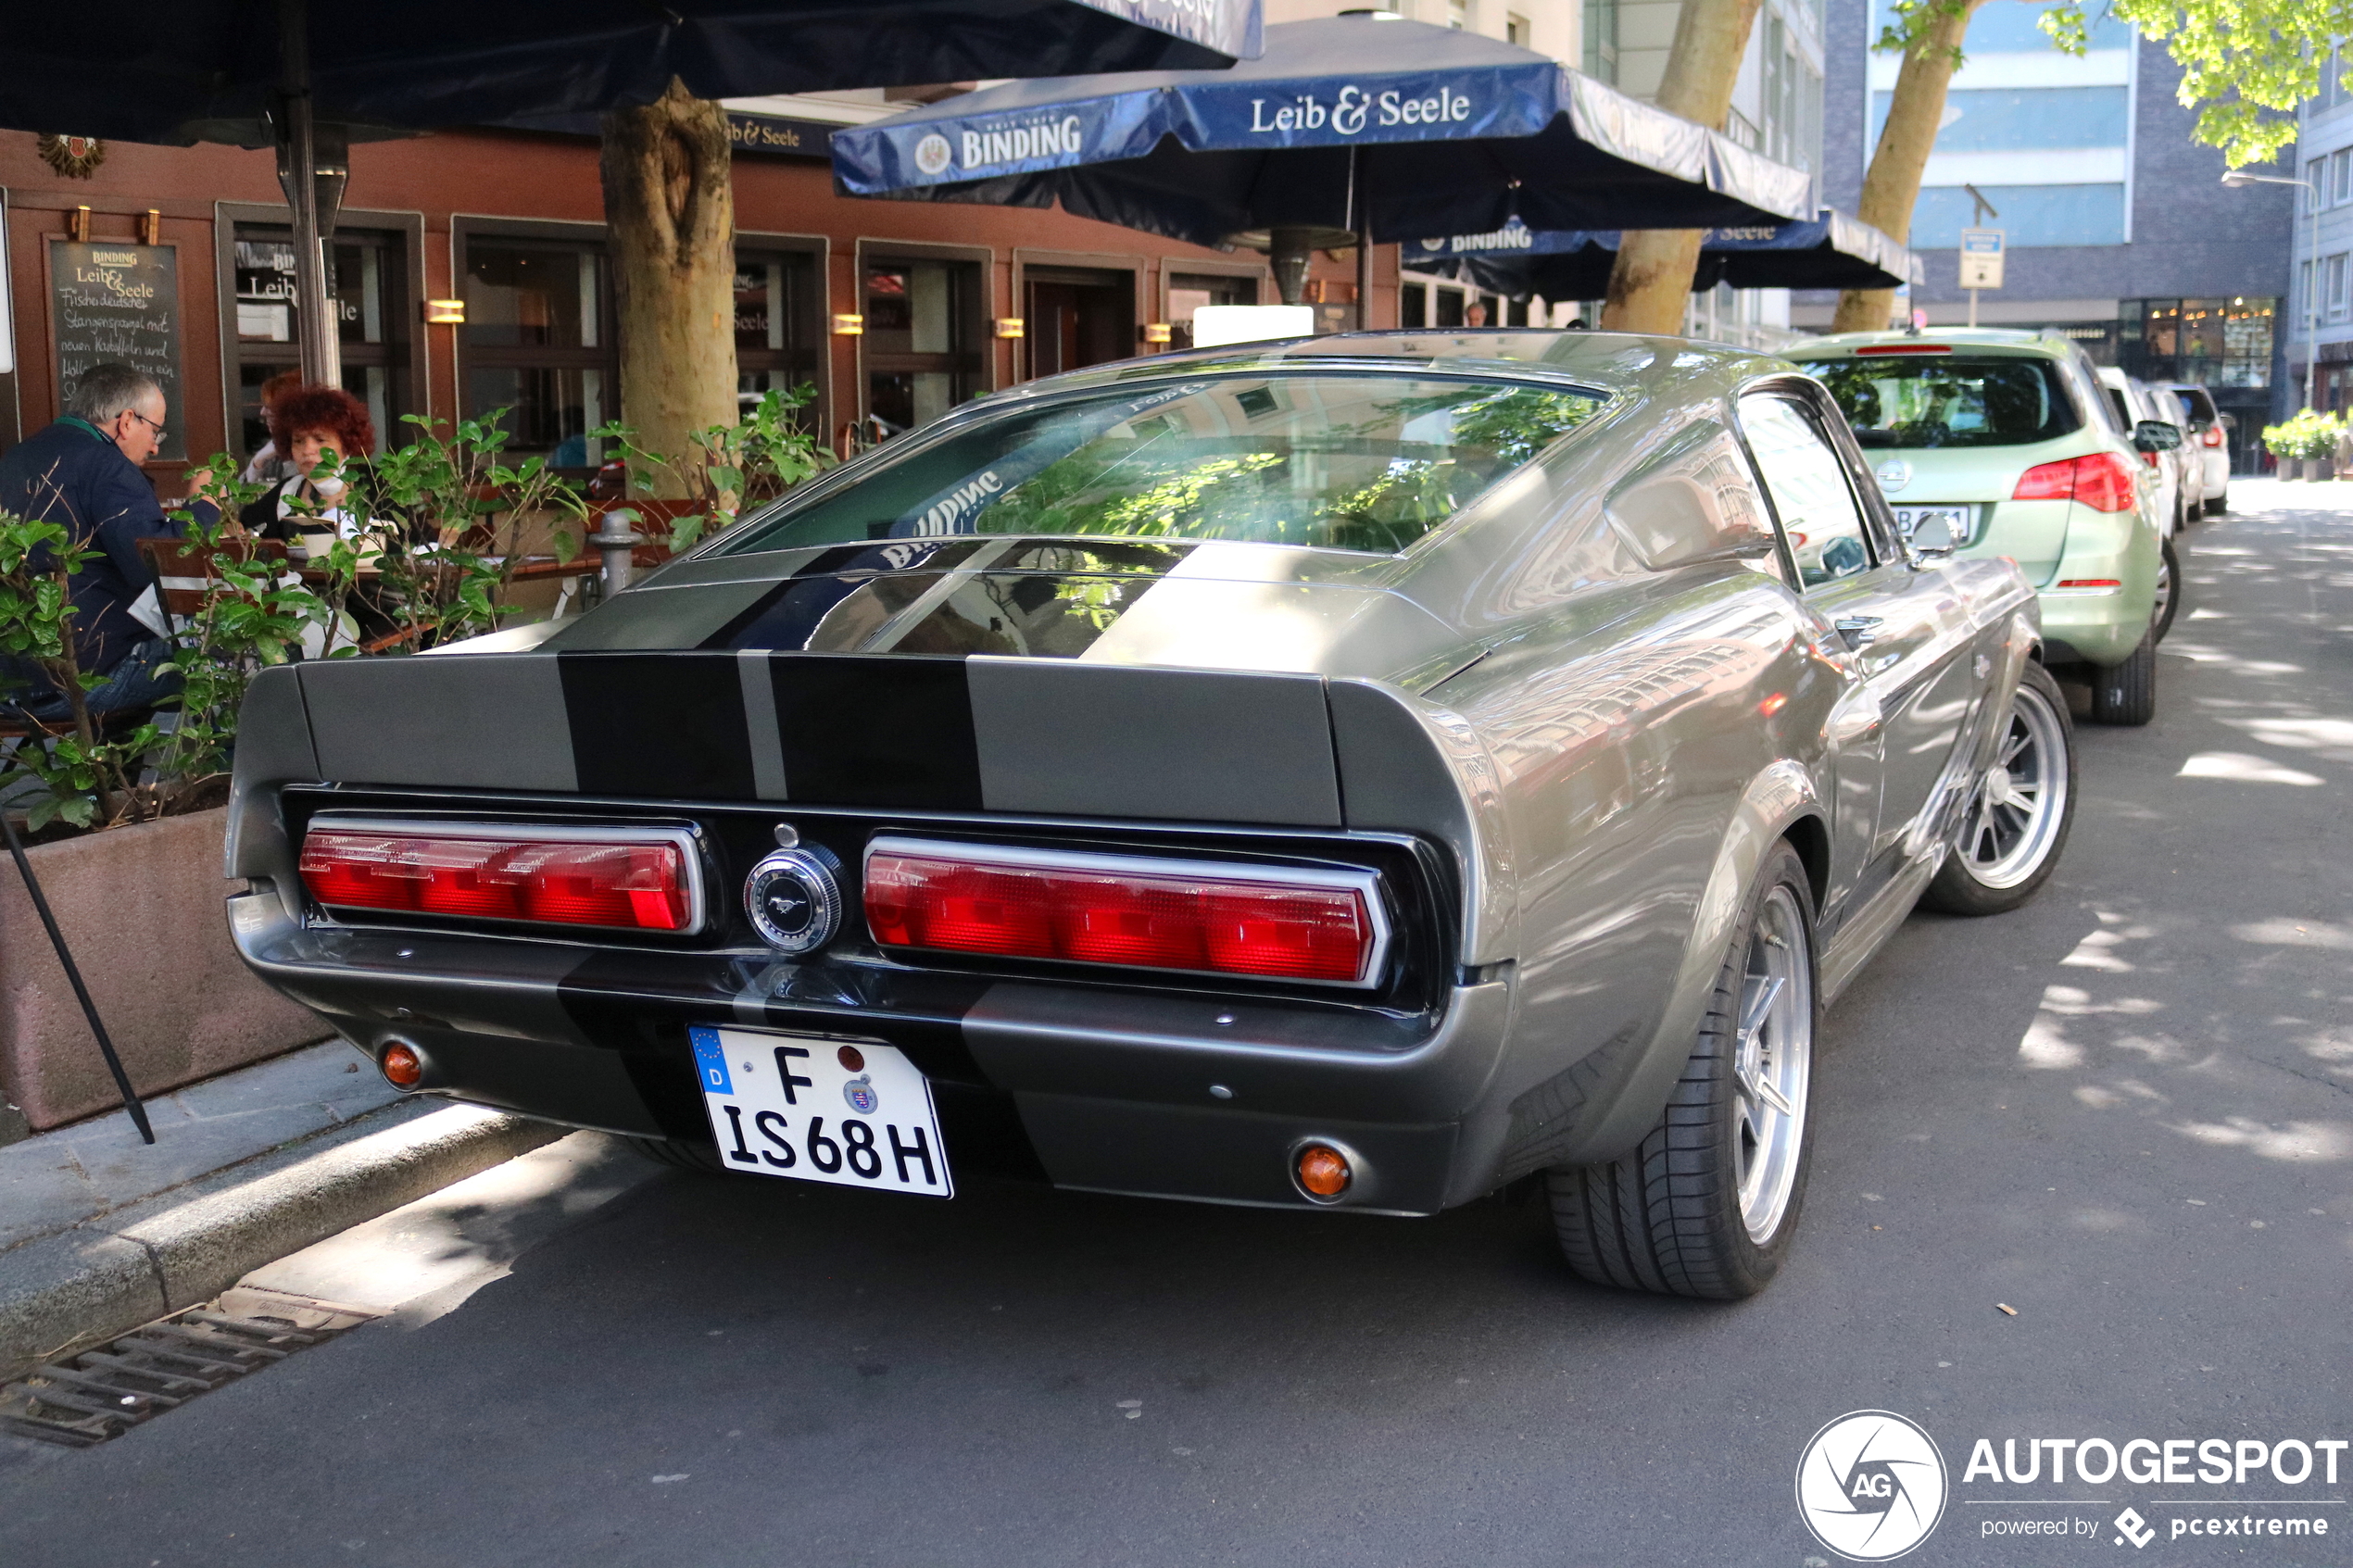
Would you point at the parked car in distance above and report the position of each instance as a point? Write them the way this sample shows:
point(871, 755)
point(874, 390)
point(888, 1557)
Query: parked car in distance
point(2004, 440)
point(2182, 476)
point(1361, 773)
point(2209, 432)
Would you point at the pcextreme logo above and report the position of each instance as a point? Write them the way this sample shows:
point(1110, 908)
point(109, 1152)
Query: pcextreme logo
point(1871, 1485)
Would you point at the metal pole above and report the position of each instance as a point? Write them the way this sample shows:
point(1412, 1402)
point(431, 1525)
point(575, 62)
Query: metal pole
point(1972, 308)
point(1364, 243)
point(298, 172)
point(130, 1101)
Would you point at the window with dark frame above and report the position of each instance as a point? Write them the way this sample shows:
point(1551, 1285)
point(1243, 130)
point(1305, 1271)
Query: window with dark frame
point(1188, 292)
point(368, 279)
point(538, 343)
point(924, 340)
point(780, 325)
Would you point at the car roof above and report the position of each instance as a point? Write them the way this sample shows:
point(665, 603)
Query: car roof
point(1994, 340)
point(1598, 361)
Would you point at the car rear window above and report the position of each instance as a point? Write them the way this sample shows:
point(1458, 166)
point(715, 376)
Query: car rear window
point(2195, 404)
point(1347, 462)
point(1954, 401)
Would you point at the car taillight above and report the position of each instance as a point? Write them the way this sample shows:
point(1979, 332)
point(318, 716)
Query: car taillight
point(2102, 481)
point(2212, 436)
point(1133, 911)
point(624, 883)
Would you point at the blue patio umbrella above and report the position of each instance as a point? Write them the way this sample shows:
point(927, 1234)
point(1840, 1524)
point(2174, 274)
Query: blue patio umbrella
point(1362, 124)
point(310, 79)
point(1829, 251)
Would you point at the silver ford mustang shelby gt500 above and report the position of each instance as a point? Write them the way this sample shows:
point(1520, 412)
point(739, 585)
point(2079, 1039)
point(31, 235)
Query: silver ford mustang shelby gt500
point(1358, 773)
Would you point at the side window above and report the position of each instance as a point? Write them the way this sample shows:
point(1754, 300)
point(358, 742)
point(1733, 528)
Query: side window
point(1808, 486)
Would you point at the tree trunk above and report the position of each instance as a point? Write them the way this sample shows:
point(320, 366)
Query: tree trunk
point(672, 214)
point(1651, 280)
point(1892, 186)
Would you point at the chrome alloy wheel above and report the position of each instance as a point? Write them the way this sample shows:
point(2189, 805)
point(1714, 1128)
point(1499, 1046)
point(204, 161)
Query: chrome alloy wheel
point(2021, 801)
point(1772, 1063)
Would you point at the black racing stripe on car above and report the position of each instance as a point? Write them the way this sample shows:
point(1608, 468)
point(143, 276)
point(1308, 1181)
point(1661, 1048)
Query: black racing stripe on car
point(891, 731)
point(731, 635)
point(660, 725)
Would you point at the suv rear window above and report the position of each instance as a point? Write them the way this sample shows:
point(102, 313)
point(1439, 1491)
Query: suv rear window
point(2196, 405)
point(1349, 462)
point(1956, 401)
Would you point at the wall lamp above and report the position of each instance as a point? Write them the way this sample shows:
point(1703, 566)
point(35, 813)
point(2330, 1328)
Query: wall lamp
point(1011, 326)
point(445, 312)
point(850, 326)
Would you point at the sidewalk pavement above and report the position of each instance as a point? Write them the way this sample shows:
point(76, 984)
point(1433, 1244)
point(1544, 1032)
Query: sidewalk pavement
point(100, 1233)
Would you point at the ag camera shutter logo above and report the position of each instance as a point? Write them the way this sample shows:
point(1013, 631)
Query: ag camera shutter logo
point(1871, 1485)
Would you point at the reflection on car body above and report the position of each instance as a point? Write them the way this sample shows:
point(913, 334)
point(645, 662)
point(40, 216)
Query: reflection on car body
point(1362, 773)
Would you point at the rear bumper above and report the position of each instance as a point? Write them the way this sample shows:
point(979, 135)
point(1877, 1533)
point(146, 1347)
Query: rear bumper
point(1091, 1086)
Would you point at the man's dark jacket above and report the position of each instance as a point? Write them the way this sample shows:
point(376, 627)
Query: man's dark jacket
point(72, 473)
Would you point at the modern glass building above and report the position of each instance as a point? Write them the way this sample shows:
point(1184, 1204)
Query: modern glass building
point(2119, 230)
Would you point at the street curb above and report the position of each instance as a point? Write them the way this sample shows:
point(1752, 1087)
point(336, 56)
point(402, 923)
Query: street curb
point(112, 1275)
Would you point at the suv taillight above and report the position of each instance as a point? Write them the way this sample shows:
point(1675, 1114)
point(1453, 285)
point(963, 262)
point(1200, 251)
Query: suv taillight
point(1134, 911)
point(627, 881)
point(2212, 436)
point(2102, 481)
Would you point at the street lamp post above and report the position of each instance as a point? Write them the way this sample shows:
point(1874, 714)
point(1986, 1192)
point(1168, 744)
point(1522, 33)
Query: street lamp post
point(2238, 178)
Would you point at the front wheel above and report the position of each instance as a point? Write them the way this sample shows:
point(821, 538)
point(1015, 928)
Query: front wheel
point(1706, 1203)
point(2126, 693)
point(2169, 592)
point(2018, 820)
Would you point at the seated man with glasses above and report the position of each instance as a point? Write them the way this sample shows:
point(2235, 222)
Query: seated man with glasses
point(83, 471)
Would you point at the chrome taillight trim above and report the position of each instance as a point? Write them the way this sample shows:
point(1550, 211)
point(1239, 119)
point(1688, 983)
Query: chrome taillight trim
point(1366, 882)
point(685, 840)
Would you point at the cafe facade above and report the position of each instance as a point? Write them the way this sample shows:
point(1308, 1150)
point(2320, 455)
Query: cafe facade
point(471, 274)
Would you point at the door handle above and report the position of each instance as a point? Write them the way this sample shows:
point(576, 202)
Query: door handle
point(1858, 630)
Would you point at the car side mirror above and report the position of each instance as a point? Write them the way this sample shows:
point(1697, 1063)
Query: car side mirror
point(2156, 435)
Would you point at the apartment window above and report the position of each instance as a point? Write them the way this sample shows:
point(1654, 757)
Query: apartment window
point(1458, 14)
point(2332, 296)
point(1601, 38)
point(1516, 31)
point(2315, 192)
point(2302, 303)
point(537, 343)
point(2340, 178)
point(368, 280)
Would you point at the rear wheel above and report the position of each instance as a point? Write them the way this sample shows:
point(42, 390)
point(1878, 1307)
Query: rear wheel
point(2018, 820)
point(2219, 505)
point(1705, 1205)
point(2169, 592)
point(2126, 693)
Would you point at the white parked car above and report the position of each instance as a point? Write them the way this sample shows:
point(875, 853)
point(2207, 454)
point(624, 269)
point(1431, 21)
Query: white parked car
point(2209, 432)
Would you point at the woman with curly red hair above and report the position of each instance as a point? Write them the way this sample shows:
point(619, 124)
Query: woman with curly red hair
point(308, 426)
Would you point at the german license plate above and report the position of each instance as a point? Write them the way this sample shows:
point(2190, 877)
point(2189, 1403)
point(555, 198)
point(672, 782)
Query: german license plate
point(1957, 520)
point(813, 1109)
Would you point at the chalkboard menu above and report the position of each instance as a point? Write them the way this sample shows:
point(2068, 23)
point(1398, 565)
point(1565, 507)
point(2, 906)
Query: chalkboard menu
point(111, 302)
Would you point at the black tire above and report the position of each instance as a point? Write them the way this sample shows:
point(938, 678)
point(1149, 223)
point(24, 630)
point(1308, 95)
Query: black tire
point(2219, 505)
point(2009, 847)
point(697, 1159)
point(1667, 1216)
point(2126, 693)
point(2169, 592)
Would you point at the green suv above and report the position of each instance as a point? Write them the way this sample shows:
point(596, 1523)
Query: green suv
point(2001, 444)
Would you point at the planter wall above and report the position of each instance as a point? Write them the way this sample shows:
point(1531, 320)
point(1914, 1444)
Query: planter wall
point(141, 907)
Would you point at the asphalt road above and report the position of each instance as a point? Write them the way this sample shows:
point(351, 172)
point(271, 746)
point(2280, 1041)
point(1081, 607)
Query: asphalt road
point(2125, 1112)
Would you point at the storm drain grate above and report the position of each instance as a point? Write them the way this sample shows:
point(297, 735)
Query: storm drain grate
point(88, 1396)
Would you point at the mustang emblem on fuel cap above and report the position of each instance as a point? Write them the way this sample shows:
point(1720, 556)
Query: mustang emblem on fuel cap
point(793, 900)
point(1893, 474)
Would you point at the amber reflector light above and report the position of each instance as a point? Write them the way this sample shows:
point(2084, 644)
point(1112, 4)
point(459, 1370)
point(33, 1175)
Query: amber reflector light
point(634, 886)
point(1323, 1172)
point(401, 1067)
point(1141, 918)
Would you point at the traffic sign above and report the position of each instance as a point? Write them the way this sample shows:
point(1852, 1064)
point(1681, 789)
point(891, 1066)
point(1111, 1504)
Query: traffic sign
point(1982, 258)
